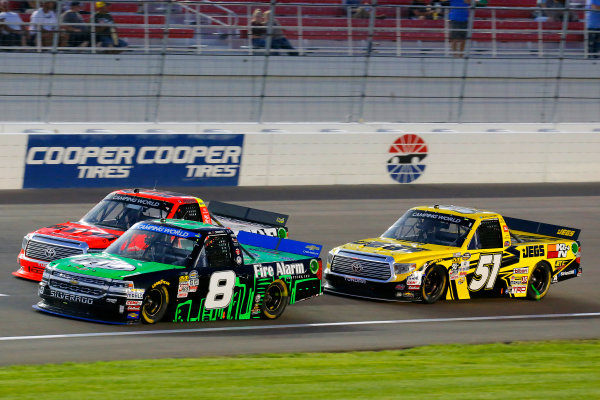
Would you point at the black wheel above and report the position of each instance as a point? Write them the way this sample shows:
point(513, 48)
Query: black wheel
point(275, 300)
point(154, 306)
point(539, 281)
point(434, 284)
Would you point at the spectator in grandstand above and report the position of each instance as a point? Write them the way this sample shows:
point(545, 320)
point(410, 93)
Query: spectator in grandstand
point(553, 10)
point(592, 20)
point(459, 24)
point(278, 39)
point(258, 31)
point(12, 32)
point(78, 36)
point(44, 25)
point(106, 33)
point(350, 7)
point(364, 11)
point(420, 9)
point(23, 6)
point(438, 11)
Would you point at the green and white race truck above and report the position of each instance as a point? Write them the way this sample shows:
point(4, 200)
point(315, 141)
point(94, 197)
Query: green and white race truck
point(182, 270)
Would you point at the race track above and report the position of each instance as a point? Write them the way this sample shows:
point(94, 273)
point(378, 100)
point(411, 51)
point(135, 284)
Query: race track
point(329, 216)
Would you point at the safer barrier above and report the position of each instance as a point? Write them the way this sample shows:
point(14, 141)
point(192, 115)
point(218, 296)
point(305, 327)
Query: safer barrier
point(69, 155)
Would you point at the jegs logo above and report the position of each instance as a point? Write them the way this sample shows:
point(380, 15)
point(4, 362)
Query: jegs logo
point(533, 251)
point(406, 164)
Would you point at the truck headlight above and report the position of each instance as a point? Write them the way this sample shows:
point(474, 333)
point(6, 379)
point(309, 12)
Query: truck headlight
point(26, 240)
point(47, 273)
point(400, 269)
point(120, 287)
point(330, 257)
point(329, 260)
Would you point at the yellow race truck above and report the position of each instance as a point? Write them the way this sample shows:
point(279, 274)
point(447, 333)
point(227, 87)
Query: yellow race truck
point(455, 253)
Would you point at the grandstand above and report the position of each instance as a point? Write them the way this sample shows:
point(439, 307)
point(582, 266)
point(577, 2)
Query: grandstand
point(317, 26)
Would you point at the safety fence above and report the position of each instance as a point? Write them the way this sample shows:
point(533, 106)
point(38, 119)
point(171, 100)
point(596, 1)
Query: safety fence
point(198, 61)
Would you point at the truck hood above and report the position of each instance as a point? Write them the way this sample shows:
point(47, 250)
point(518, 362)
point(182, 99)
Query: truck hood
point(397, 248)
point(105, 265)
point(95, 237)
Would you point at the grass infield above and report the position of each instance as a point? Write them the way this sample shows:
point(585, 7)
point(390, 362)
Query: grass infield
point(539, 370)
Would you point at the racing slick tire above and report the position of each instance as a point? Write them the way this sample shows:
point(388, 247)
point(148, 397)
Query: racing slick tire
point(539, 281)
point(434, 284)
point(155, 304)
point(275, 299)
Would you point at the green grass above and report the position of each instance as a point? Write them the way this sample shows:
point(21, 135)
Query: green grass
point(541, 370)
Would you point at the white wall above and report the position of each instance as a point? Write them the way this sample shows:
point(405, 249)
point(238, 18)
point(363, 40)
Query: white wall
point(302, 154)
point(12, 160)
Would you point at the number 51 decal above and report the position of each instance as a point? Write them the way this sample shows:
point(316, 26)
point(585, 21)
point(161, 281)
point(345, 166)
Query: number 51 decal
point(486, 272)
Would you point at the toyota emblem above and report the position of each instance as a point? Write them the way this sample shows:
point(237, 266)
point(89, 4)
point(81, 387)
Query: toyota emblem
point(356, 267)
point(50, 252)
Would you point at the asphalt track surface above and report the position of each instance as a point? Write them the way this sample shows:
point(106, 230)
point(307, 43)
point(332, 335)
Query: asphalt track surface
point(329, 216)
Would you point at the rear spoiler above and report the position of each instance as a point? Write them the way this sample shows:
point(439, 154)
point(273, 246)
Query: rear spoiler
point(273, 243)
point(542, 229)
point(247, 214)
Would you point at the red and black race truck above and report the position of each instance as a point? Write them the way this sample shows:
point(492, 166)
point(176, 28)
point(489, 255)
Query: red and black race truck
point(120, 210)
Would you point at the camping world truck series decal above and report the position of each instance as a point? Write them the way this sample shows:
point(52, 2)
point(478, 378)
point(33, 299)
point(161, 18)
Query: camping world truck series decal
point(100, 160)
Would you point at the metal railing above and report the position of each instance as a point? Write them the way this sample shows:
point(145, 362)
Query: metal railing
point(224, 27)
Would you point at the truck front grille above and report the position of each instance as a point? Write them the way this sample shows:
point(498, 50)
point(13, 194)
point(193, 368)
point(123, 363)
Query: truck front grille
point(49, 252)
point(77, 283)
point(77, 288)
point(356, 266)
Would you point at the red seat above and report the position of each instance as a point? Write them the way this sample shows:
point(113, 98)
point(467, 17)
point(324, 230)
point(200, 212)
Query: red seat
point(155, 33)
point(113, 7)
point(138, 19)
point(512, 3)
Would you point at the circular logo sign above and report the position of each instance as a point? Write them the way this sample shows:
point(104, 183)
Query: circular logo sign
point(314, 266)
point(406, 163)
point(356, 267)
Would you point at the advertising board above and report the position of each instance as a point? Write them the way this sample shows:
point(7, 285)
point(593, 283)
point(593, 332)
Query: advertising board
point(106, 160)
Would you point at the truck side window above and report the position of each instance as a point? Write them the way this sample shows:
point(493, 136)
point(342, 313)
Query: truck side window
point(217, 251)
point(189, 211)
point(490, 234)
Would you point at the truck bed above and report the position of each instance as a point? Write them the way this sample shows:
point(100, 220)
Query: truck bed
point(263, 255)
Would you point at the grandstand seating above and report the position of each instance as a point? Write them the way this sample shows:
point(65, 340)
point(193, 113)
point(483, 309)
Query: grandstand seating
point(318, 22)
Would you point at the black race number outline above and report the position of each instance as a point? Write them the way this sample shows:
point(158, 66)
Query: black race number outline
point(220, 290)
point(486, 272)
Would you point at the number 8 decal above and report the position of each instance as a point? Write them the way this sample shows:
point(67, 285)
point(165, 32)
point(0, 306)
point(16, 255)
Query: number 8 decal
point(486, 272)
point(220, 290)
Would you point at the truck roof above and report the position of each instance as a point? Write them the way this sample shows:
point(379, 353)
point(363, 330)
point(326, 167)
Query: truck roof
point(153, 194)
point(194, 226)
point(466, 212)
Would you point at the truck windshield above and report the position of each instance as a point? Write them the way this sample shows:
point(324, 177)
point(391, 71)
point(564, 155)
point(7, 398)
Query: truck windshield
point(430, 228)
point(122, 212)
point(147, 245)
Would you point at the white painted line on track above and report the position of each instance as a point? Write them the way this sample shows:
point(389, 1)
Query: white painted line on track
point(5, 295)
point(315, 325)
